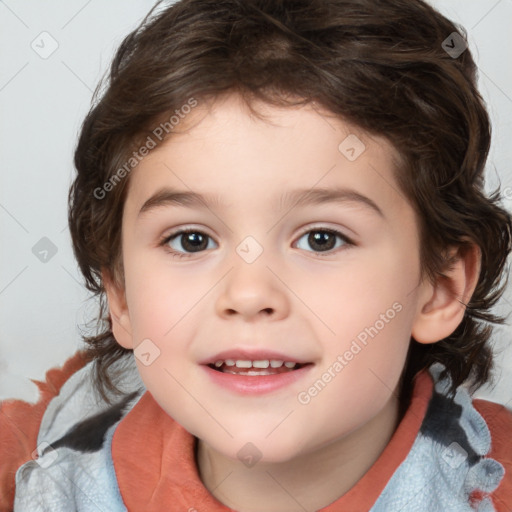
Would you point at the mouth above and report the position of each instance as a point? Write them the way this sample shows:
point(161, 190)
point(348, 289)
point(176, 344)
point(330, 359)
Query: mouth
point(249, 371)
point(259, 367)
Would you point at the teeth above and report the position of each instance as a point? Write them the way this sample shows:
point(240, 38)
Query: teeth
point(249, 372)
point(263, 363)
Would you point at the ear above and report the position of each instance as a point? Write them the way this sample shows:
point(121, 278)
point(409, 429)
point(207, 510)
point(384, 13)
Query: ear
point(121, 326)
point(442, 305)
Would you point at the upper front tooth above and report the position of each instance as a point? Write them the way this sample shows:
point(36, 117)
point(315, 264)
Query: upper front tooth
point(219, 363)
point(289, 364)
point(243, 364)
point(261, 364)
point(275, 363)
point(229, 362)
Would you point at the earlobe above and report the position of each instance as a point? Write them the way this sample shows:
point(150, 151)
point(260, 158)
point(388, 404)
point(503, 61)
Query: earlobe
point(443, 304)
point(121, 325)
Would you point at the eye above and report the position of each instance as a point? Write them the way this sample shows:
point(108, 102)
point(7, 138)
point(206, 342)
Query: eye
point(190, 240)
point(185, 242)
point(324, 240)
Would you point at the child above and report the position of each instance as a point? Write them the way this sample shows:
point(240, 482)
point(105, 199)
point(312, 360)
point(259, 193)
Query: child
point(282, 204)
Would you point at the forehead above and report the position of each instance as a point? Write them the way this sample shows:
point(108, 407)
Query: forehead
point(225, 151)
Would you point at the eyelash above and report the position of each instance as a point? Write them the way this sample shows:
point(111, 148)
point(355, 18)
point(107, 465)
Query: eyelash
point(177, 254)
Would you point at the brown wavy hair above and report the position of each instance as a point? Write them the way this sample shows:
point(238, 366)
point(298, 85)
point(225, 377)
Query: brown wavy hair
point(378, 64)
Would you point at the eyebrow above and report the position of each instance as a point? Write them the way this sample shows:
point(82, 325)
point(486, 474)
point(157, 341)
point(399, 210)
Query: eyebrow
point(298, 197)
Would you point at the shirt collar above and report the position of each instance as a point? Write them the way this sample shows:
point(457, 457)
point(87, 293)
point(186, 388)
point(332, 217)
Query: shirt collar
point(154, 459)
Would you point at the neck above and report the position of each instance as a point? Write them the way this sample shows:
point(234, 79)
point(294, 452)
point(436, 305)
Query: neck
point(309, 481)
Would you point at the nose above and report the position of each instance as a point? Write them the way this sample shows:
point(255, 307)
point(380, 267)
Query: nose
point(253, 291)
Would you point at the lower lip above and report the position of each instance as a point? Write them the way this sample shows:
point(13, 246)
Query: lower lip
point(256, 384)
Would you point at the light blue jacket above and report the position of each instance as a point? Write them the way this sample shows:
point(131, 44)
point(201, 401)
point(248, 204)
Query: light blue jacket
point(75, 472)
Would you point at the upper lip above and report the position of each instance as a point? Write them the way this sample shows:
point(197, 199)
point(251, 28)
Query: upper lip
point(253, 355)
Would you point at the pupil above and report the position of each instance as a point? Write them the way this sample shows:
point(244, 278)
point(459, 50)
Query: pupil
point(321, 238)
point(193, 241)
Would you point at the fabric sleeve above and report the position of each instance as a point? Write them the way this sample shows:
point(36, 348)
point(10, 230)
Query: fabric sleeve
point(499, 421)
point(19, 425)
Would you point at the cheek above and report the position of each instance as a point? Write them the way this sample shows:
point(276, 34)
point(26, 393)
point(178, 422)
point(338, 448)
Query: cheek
point(158, 298)
point(369, 311)
point(368, 290)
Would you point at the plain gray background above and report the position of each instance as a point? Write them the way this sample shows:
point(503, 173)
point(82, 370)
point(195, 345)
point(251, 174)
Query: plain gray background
point(52, 55)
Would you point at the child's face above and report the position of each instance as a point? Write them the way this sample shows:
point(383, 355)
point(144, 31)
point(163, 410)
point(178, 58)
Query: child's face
point(263, 283)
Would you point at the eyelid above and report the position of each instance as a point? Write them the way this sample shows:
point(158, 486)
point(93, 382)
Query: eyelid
point(303, 231)
point(183, 230)
point(323, 227)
